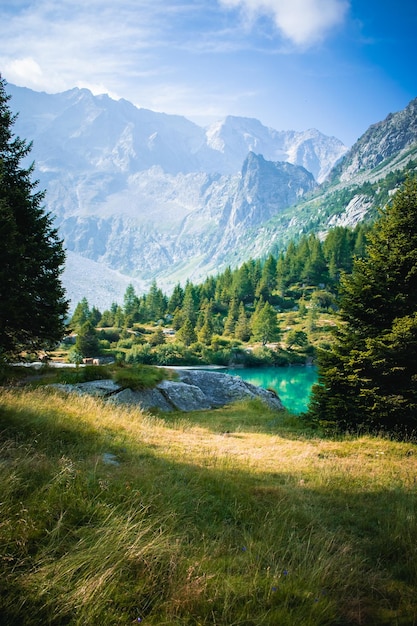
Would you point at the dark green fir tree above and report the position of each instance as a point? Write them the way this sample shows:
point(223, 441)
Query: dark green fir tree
point(368, 380)
point(33, 305)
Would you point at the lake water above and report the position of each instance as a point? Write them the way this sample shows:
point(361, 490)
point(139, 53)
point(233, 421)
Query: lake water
point(292, 384)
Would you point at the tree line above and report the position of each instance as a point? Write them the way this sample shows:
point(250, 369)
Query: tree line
point(213, 321)
point(241, 302)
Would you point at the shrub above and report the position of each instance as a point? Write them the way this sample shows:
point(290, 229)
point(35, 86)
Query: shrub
point(138, 377)
point(141, 354)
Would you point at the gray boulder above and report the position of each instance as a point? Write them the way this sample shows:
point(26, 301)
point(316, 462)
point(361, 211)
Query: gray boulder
point(192, 391)
point(220, 389)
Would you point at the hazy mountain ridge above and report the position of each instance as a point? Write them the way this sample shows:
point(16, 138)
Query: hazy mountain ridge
point(152, 195)
point(115, 136)
point(147, 195)
point(235, 137)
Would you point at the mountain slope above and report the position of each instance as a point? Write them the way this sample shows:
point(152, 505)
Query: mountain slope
point(144, 195)
point(153, 195)
point(382, 141)
point(361, 183)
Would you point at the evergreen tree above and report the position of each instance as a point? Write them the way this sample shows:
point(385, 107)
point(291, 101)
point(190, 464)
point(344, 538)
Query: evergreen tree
point(265, 323)
point(361, 233)
point(130, 306)
point(178, 319)
point(315, 267)
point(290, 265)
point(242, 287)
point(33, 306)
point(208, 289)
point(175, 301)
point(156, 302)
point(231, 319)
point(186, 333)
point(107, 319)
point(268, 280)
point(296, 338)
point(95, 315)
point(206, 331)
point(242, 328)
point(190, 303)
point(119, 317)
point(338, 251)
point(223, 291)
point(87, 342)
point(369, 377)
point(81, 315)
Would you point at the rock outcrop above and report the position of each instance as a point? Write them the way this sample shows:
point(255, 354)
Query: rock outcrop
point(193, 390)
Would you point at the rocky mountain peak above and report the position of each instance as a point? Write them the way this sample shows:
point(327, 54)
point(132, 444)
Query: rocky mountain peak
point(396, 133)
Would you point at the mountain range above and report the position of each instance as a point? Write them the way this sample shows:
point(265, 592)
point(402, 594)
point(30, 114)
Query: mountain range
point(141, 196)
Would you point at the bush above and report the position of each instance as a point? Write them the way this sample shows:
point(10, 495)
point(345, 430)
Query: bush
point(111, 335)
point(171, 354)
point(137, 378)
point(82, 374)
point(260, 356)
point(141, 354)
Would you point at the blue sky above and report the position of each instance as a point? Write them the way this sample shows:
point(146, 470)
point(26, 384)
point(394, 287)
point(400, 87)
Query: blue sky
point(334, 65)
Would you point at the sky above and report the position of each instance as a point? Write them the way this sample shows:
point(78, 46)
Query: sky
point(334, 65)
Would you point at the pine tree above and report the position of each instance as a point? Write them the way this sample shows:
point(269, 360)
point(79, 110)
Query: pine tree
point(242, 286)
point(369, 377)
point(33, 305)
point(156, 302)
point(268, 280)
point(190, 303)
point(87, 343)
point(242, 328)
point(265, 323)
point(81, 314)
point(231, 319)
point(186, 333)
point(315, 268)
point(130, 306)
point(176, 299)
point(205, 333)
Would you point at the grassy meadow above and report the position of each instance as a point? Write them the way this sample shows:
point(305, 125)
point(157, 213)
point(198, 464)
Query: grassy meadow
point(237, 516)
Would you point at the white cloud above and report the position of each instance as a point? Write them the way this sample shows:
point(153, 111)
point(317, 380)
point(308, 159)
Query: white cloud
point(54, 47)
point(304, 22)
point(166, 55)
point(24, 71)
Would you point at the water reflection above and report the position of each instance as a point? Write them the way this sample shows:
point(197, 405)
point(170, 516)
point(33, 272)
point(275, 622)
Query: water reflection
point(292, 384)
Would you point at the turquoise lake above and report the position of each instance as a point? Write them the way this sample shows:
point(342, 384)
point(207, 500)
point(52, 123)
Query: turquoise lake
point(292, 384)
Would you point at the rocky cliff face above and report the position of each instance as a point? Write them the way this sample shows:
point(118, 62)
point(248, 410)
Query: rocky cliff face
point(395, 134)
point(234, 137)
point(169, 220)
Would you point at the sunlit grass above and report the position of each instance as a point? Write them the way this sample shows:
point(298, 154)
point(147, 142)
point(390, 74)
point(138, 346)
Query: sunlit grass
point(234, 516)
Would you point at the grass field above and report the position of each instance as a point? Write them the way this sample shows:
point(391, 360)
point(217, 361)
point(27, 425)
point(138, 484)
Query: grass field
point(237, 516)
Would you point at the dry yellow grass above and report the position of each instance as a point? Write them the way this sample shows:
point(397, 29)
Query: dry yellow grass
point(233, 516)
